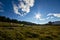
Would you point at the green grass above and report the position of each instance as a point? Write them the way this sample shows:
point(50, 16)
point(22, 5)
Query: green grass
point(8, 24)
point(27, 32)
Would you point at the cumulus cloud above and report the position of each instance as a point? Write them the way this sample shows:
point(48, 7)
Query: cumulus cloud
point(24, 5)
point(15, 9)
point(54, 14)
point(57, 15)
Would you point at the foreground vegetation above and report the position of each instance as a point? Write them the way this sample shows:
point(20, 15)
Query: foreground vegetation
point(11, 29)
point(29, 32)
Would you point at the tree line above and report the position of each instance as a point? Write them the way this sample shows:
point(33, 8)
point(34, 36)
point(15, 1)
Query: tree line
point(6, 19)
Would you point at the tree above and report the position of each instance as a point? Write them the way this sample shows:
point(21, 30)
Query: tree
point(50, 23)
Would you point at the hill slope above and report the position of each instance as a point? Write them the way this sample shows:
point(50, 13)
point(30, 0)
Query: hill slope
point(56, 22)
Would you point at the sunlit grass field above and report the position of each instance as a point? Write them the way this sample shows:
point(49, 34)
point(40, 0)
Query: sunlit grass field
point(13, 31)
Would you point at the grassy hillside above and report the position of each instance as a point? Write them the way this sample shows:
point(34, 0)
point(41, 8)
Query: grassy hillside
point(9, 24)
point(28, 32)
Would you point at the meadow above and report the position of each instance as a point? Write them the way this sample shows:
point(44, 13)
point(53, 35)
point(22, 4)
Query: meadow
point(28, 32)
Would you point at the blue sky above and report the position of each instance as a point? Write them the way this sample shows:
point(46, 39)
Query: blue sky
point(36, 11)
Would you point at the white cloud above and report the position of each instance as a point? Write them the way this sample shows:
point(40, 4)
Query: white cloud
point(38, 16)
point(57, 15)
point(50, 14)
point(54, 14)
point(16, 9)
point(24, 5)
point(47, 17)
point(29, 2)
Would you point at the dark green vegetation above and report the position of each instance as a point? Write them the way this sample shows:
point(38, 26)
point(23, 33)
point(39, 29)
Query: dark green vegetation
point(17, 30)
point(5, 19)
